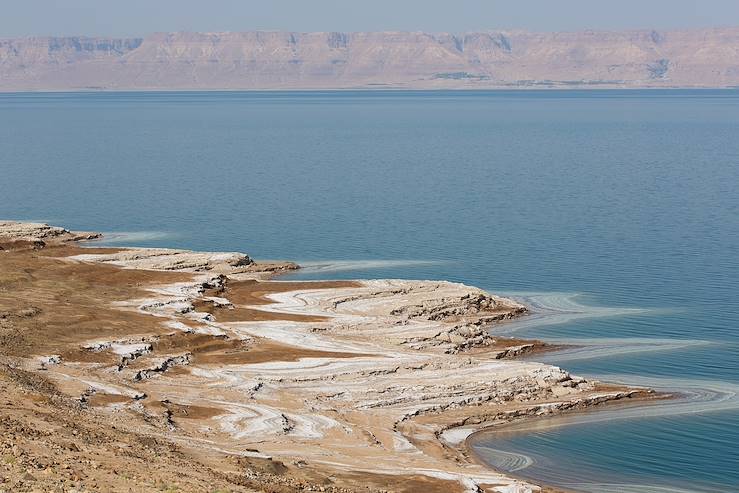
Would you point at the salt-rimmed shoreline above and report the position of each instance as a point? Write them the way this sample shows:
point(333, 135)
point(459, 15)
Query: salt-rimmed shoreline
point(386, 370)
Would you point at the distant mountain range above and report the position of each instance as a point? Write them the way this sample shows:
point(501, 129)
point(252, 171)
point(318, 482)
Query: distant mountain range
point(403, 60)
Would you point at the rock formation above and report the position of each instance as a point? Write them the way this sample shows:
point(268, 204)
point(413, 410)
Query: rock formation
point(16, 235)
point(370, 379)
point(284, 60)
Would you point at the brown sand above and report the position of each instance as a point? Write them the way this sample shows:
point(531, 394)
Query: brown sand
point(252, 293)
point(49, 305)
point(55, 304)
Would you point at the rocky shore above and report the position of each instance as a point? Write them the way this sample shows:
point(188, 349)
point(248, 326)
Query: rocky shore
point(142, 369)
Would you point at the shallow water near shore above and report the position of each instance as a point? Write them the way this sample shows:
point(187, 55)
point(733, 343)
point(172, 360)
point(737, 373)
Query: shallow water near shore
point(614, 215)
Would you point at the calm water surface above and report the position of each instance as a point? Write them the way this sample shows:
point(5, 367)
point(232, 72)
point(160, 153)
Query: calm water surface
point(614, 214)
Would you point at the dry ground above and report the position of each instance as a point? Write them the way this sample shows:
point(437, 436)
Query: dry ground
point(49, 442)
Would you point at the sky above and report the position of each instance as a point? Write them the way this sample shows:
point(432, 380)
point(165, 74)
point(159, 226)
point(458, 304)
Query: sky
point(141, 17)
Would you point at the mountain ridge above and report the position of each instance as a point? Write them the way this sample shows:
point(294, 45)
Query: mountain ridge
point(355, 60)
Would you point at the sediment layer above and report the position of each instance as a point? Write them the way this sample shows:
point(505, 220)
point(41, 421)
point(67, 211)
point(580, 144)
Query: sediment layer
point(374, 60)
point(262, 385)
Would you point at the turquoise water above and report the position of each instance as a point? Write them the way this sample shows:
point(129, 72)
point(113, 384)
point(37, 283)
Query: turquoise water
point(614, 214)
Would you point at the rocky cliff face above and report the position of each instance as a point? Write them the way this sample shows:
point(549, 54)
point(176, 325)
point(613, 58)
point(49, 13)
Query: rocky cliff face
point(283, 60)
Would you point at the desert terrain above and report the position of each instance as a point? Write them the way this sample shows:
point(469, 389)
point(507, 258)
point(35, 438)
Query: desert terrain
point(698, 58)
point(133, 369)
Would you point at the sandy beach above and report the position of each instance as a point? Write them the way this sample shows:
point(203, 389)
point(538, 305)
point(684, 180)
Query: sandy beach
point(142, 369)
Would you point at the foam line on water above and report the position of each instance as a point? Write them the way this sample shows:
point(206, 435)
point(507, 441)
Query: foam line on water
point(630, 488)
point(504, 460)
point(583, 349)
point(696, 397)
point(129, 237)
point(328, 266)
point(692, 397)
point(558, 308)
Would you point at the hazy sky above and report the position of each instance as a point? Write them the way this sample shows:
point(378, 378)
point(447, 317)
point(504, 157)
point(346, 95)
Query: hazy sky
point(139, 17)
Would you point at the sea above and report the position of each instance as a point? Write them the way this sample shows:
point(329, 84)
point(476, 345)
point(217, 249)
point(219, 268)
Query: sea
point(614, 214)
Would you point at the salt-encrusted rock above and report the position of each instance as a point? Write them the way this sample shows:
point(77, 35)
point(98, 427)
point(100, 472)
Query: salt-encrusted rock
point(162, 366)
point(169, 259)
point(19, 235)
point(23, 236)
point(38, 231)
point(46, 361)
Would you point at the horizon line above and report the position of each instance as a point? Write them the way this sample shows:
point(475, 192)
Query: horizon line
point(452, 33)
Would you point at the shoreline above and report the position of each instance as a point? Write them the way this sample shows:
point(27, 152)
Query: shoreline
point(322, 377)
point(365, 89)
point(644, 396)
